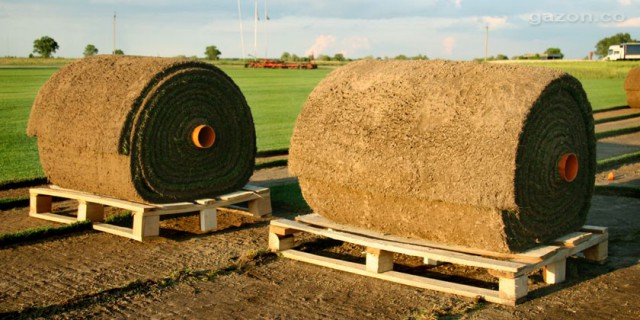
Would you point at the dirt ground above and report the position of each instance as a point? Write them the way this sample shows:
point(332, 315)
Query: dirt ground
point(228, 274)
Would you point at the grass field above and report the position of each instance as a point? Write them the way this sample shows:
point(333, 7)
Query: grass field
point(275, 97)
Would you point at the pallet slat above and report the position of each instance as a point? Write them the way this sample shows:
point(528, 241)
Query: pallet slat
point(408, 249)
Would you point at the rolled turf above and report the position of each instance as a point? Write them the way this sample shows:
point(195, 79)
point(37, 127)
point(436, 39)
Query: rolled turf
point(125, 127)
point(454, 152)
point(632, 87)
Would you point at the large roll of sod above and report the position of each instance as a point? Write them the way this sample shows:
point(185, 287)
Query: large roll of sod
point(144, 129)
point(632, 87)
point(495, 157)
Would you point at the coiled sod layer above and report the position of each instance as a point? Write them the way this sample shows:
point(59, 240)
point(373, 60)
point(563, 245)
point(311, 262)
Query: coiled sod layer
point(632, 87)
point(496, 157)
point(144, 129)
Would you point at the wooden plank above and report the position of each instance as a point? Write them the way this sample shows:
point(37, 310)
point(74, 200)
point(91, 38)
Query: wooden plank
point(256, 189)
point(565, 252)
point(537, 254)
point(595, 229)
point(408, 249)
point(573, 239)
point(398, 277)
point(71, 194)
point(237, 196)
point(54, 217)
point(315, 219)
point(116, 230)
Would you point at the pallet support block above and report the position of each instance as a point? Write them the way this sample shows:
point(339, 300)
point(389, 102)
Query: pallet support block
point(261, 207)
point(280, 243)
point(598, 253)
point(208, 219)
point(145, 227)
point(39, 203)
point(379, 261)
point(89, 211)
point(513, 288)
point(555, 272)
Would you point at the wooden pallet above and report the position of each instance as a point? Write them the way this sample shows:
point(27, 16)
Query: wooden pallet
point(146, 217)
point(511, 269)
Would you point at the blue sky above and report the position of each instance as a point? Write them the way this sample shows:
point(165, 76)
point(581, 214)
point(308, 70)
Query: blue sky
point(449, 29)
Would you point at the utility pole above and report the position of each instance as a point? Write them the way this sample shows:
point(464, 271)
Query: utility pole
point(114, 33)
point(241, 30)
point(486, 43)
point(266, 35)
point(255, 32)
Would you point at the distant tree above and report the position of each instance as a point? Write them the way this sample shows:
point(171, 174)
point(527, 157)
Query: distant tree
point(212, 53)
point(602, 47)
point(286, 56)
point(339, 57)
point(118, 52)
point(420, 57)
point(324, 57)
point(294, 57)
point(401, 57)
point(45, 46)
point(90, 50)
point(501, 57)
point(551, 51)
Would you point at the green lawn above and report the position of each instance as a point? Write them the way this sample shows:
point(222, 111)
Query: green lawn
point(275, 97)
point(18, 153)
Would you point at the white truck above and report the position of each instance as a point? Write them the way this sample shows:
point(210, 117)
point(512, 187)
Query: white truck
point(625, 51)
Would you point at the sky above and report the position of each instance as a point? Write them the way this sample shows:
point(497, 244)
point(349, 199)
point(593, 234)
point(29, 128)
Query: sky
point(447, 29)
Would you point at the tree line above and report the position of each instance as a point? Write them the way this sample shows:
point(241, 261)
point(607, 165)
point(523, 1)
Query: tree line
point(46, 46)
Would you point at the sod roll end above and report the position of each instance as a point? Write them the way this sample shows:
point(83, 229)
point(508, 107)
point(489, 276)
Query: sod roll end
point(144, 129)
point(496, 157)
point(632, 87)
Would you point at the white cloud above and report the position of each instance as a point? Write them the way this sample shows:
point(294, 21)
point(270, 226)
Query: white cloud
point(457, 3)
point(625, 2)
point(447, 45)
point(320, 45)
point(494, 22)
point(352, 46)
point(632, 22)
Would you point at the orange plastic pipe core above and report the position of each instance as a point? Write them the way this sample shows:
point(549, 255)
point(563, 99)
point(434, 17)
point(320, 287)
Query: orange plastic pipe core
point(568, 167)
point(203, 136)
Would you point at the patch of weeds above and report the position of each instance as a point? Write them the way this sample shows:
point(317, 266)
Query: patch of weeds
point(42, 232)
point(124, 219)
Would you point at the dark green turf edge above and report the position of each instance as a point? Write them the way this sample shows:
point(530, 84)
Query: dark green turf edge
point(617, 132)
point(614, 162)
point(618, 191)
point(43, 232)
point(271, 153)
point(10, 203)
point(618, 118)
point(610, 109)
